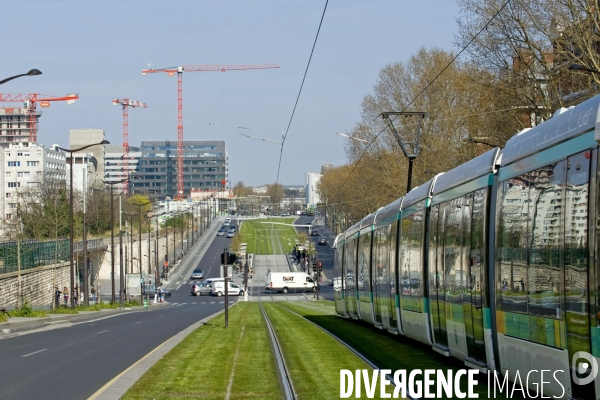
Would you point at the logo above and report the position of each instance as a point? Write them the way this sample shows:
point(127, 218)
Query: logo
point(288, 279)
point(583, 372)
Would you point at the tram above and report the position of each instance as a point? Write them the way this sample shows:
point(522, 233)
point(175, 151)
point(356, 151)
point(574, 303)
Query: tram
point(495, 262)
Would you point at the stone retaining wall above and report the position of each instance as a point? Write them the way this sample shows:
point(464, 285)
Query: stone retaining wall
point(37, 284)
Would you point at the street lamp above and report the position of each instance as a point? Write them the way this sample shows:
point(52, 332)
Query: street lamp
point(578, 67)
point(112, 241)
point(71, 212)
point(31, 72)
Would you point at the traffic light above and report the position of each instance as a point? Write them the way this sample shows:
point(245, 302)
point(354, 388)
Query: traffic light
point(230, 259)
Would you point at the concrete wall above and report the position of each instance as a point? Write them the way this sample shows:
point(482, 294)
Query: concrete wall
point(37, 284)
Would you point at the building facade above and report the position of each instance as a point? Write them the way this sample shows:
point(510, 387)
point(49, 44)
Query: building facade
point(205, 166)
point(82, 137)
point(14, 125)
point(26, 165)
point(116, 169)
point(312, 193)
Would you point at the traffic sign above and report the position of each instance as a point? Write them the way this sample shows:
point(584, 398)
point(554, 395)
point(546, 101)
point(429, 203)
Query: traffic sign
point(166, 264)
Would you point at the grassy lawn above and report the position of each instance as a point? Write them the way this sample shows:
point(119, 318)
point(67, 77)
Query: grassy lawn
point(314, 358)
point(200, 366)
point(260, 235)
point(384, 350)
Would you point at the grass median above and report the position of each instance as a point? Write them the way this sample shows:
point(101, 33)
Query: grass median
point(384, 350)
point(213, 360)
point(257, 233)
point(314, 359)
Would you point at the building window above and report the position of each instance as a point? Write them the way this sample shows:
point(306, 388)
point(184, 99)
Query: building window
point(8, 174)
point(8, 195)
point(33, 163)
point(14, 163)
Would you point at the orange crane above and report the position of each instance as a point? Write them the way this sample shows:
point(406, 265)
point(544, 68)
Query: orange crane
point(30, 101)
point(194, 68)
point(126, 103)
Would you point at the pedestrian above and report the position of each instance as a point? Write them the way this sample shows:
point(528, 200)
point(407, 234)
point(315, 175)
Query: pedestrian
point(66, 295)
point(75, 296)
point(57, 294)
point(93, 291)
point(159, 294)
point(522, 284)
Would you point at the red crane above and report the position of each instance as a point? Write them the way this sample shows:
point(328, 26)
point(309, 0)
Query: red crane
point(126, 103)
point(30, 101)
point(194, 68)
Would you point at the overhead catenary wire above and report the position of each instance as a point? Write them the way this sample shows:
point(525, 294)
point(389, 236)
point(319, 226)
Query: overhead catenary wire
point(423, 91)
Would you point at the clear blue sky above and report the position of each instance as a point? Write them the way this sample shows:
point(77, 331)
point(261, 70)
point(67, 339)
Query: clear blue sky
point(98, 49)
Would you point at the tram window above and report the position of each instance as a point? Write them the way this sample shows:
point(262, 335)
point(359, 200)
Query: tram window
point(513, 232)
point(364, 259)
point(411, 266)
point(544, 266)
point(454, 275)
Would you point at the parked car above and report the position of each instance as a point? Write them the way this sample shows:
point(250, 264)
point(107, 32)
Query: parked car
point(227, 223)
point(151, 289)
point(221, 232)
point(322, 242)
point(199, 289)
point(197, 274)
point(230, 233)
point(233, 227)
point(314, 233)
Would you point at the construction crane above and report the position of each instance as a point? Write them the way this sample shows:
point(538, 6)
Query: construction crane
point(126, 103)
point(30, 102)
point(195, 68)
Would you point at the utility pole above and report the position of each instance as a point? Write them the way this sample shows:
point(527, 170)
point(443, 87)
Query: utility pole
point(225, 275)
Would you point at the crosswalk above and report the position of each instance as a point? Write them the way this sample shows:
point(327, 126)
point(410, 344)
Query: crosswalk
point(176, 304)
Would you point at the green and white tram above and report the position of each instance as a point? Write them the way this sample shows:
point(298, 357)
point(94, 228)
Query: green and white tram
point(495, 262)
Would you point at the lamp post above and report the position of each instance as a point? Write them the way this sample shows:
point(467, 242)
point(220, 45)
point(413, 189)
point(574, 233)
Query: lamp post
point(72, 273)
point(112, 240)
point(32, 72)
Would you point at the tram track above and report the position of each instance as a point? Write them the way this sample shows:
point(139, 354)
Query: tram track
point(353, 350)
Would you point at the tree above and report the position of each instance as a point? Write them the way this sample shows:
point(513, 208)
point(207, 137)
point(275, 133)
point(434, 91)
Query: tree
point(275, 192)
point(241, 190)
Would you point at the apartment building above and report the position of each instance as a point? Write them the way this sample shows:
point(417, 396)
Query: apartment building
point(15, 125)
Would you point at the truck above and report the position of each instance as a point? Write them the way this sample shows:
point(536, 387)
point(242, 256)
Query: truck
point(290, 281)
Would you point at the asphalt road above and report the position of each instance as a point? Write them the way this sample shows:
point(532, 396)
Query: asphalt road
point(74, 361)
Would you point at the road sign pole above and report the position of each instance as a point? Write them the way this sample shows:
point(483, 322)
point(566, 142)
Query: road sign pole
point(226, 288)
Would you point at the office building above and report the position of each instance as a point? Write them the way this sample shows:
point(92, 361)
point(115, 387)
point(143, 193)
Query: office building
point(82, 137)
point(116, 169)
point(204, 167)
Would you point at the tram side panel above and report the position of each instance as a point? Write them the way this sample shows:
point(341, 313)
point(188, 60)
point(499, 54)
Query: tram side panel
point(542, 265)
point(413, 308)
point(350, 288)
point(338, 281)
point(363, 275)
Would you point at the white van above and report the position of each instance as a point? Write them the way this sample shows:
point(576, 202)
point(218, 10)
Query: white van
point(218, 289)
point(290, 281)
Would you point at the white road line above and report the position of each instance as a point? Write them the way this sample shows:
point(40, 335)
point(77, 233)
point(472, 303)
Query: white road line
point(102, 331)
point(160, 316)
point(35, 352)
point(194, 303)
point(221, 302)
point(212, 302)
point(203, 302)
point(138, 322)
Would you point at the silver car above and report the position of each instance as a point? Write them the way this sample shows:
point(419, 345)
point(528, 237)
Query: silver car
point(197, 274)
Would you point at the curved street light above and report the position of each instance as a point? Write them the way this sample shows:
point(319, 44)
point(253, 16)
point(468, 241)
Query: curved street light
point(112, 244)
point(32, 72)
point(71, 215)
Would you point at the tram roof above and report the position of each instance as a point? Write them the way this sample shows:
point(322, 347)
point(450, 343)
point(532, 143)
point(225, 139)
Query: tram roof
point(564, 124)
point(419, 193)
point(479, 166)
point(389, 210)
point(353, 229)
point(368, 220)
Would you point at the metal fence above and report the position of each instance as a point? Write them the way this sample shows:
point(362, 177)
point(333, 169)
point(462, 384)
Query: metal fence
point(37, 254)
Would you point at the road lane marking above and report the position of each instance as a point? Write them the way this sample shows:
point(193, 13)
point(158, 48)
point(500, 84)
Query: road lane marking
point(194, 303)
point(138, 322)
point(212, 302)
point(35, 352)
point(203, 302)
point(102, 331)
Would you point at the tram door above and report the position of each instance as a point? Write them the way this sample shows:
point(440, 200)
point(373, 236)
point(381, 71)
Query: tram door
point(576, 286)
point(474, 210)
point(436, 277)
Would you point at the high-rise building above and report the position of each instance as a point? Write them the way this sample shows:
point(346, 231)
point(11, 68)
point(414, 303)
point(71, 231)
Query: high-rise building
point(312, 193)
point(204, 167)
point(83, 137)
point(27, 165)
point(14, 125)
point(326, 167)
point(115, 168)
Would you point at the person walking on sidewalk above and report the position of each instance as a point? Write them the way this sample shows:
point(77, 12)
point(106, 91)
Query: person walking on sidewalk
point(66, 295)
point(159, 291)
point(75, 296)
point(57, 294)
point(93, 291)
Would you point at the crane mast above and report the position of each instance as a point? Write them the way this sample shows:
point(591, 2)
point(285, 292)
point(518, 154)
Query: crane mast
point(195, 68)
point(126, 103)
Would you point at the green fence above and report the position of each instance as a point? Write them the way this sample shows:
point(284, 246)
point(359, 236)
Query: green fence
point(33, 254)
